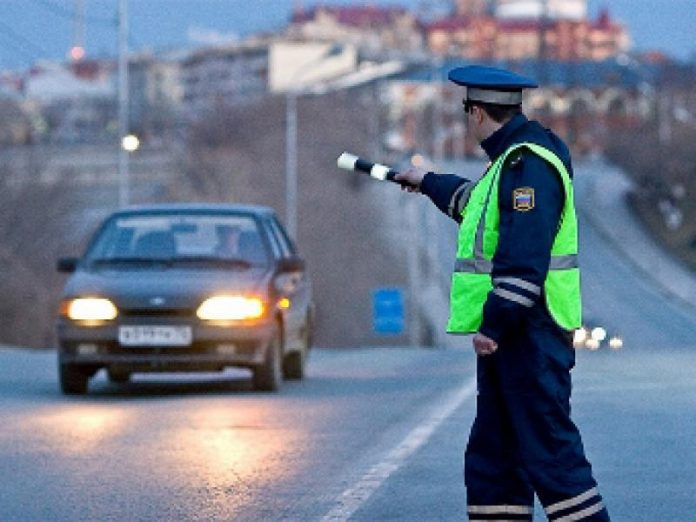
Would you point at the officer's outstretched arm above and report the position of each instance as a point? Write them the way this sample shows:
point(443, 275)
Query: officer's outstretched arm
point(530, 198)
point(448, 192)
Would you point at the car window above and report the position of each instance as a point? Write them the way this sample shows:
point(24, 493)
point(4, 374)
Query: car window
point(286, 245)
point(275, 244)
point(181, 237)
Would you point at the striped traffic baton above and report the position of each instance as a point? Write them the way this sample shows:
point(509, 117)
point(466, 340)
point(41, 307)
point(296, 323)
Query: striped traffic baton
point(352, 162)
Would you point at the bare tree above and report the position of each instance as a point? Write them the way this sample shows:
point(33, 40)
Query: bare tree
point(664, 169)
point(33, 217)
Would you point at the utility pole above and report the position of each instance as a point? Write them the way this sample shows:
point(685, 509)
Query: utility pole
point(439, 132)
point(374, 121)
point(543, 56)
point(291, 161)
point(414, 270)
point(77, 51)
point(291, 97)
point(431, 239)
point(123, 174)
point(664, 114)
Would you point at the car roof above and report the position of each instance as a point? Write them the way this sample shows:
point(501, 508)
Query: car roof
point(194, 208)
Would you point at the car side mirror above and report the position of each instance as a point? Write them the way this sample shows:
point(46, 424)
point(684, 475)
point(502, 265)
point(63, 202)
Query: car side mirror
point(291, 264)
point(67, 264)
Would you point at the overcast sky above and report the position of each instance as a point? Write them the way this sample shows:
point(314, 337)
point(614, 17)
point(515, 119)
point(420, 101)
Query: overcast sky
point(35, 29)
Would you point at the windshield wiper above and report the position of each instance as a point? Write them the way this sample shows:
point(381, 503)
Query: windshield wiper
point(133, 260)
point(215, 260)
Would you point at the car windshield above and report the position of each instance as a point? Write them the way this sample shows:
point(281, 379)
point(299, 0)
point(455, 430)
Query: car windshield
point(224, 240)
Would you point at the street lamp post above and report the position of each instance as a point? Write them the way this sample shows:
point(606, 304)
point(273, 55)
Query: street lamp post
point(291, 161)
point(291, 181)
point(123, 173)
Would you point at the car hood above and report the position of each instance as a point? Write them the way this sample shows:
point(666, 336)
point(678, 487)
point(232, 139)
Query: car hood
point(172, 288)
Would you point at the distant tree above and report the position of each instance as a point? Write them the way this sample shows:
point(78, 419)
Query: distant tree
point(34, 217)
point(664, 167)
point(14, 123)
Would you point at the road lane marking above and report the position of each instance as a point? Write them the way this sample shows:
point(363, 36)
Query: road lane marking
point(354, 497)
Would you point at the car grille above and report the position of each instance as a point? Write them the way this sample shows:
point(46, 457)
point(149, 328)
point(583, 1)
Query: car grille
point(157, 312)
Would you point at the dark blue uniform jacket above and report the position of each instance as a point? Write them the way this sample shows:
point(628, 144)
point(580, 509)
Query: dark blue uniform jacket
point(526, 236)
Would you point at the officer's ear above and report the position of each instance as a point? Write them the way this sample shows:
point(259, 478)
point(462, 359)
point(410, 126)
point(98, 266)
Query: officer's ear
point(478, 113)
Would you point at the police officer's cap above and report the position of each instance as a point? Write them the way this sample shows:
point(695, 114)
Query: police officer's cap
point(491, 85)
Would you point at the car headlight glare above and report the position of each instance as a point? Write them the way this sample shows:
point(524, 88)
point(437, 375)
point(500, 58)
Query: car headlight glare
point(91, 309)
point(598, 333)
point(230, 308)
point(580, 336)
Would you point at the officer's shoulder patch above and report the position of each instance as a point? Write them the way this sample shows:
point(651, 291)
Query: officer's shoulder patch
point(523, 199)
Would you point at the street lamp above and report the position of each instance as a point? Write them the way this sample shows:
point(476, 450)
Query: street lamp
point(130, 143)
point(291, 96)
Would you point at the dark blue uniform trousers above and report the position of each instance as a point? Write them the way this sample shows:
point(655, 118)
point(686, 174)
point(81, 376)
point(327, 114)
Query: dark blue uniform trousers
point(523, 440)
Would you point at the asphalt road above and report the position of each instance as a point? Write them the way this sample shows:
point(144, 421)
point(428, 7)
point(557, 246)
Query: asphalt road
point(372, 434)
point(181, 448)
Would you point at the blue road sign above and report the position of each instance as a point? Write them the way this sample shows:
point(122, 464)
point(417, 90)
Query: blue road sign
point(388, 310)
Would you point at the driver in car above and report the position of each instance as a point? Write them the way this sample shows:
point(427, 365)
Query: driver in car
point(228, 241)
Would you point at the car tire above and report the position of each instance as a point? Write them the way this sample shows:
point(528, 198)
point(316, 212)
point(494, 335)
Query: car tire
point(293, 365)
point(294, 362)
point(118, 377)
point(269, 375)
point(73, 379)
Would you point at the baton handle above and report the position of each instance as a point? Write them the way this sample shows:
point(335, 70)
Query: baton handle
point(354, 163)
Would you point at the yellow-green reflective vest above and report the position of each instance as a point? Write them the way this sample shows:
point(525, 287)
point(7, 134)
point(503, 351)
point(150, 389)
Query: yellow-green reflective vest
point(478, 241)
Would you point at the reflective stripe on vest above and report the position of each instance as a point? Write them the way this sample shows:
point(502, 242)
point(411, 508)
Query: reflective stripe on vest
point(484, 266)
point(478, 241)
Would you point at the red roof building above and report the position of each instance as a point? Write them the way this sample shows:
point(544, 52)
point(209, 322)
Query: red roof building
point(472, 32)
point(484, 36)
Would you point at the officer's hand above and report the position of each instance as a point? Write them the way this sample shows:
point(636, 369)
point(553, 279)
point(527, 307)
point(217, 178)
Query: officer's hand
point(484, 345)
point(414, 176)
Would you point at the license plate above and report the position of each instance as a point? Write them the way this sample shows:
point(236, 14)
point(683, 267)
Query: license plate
point(155, 335)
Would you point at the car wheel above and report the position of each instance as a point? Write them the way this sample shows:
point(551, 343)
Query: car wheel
point(118, 377)
point(269, 375)
point(73, 379)
point(293, 365)
point(294, 362)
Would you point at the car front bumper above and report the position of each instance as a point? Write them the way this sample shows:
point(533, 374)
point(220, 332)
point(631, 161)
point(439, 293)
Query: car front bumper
point(213, 347)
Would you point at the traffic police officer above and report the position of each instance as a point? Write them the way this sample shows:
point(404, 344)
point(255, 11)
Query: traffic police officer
point(516, 286)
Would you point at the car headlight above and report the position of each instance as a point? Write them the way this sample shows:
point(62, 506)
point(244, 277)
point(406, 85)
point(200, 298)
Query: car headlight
point(230, 308)
point(90, 309)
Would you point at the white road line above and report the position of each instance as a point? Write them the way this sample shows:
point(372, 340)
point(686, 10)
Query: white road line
point(354, 497)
